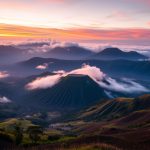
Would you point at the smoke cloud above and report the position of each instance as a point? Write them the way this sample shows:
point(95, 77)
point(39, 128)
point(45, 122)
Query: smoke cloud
point(92, 71)
point(126, 85)
point(49, 81)
point(44, 82)
point(108, 83)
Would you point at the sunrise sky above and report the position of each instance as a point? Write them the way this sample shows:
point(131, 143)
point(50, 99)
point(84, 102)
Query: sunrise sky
point(122, 21)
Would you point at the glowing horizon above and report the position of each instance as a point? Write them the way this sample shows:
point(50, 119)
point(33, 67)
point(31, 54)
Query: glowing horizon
point(75, 20)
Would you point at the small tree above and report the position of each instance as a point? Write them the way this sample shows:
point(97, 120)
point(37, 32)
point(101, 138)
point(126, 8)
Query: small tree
point(35, 133)
point(18, 133)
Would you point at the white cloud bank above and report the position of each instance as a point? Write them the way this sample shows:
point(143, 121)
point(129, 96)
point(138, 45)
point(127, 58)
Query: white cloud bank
point(49, 81)
point(43, 82)
point(46, 47)
point(126, 85)
point(4, 100)
point(59, 72)
point(3, 74)
point(94, 73)
point(42, 67)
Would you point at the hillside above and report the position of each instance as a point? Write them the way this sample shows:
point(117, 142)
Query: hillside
point(72, 92)
point(117, 124)
point(116, 108)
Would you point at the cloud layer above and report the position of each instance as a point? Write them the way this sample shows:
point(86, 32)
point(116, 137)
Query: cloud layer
point(92, 71)
point(4, 100)
point(42, 67)
point(3, 74)
point(49, 81)
point(44, 82)
point(124, 85)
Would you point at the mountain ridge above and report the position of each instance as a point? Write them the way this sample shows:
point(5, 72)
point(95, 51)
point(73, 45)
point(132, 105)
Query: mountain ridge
point(116, 53)
point(116, 108)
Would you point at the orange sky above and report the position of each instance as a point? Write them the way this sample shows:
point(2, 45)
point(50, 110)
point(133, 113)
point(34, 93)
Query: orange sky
point(72, 34)
point(75, 20)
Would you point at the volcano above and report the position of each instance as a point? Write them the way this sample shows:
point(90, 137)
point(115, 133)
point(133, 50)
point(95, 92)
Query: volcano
point(71, 92)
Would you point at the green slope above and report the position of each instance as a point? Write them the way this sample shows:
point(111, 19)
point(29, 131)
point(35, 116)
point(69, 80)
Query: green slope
point(116, 108)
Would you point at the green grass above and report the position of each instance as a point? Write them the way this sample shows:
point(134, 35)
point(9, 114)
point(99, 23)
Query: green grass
point(9, 124)
point(8, 127)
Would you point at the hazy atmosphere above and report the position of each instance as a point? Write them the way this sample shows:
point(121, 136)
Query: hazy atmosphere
point(74, 74)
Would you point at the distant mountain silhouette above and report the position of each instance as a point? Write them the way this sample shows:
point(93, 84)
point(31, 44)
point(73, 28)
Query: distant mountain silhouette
point(9, 54)
point(115, 53)
point(6, 50)
point(35, 61)
point(116, 68)
point(72, 52)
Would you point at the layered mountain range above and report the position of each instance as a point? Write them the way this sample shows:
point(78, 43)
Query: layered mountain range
point(19, 53)
point(103, 97)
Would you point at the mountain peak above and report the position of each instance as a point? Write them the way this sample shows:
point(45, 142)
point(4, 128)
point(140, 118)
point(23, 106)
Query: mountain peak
point(70, 52)
point(71, 92)
point(112, 49)
point(116, 53)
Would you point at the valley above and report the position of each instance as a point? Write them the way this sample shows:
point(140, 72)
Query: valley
point(85, 103)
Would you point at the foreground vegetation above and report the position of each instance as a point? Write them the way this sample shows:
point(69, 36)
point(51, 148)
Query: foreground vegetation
point(122, 127)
